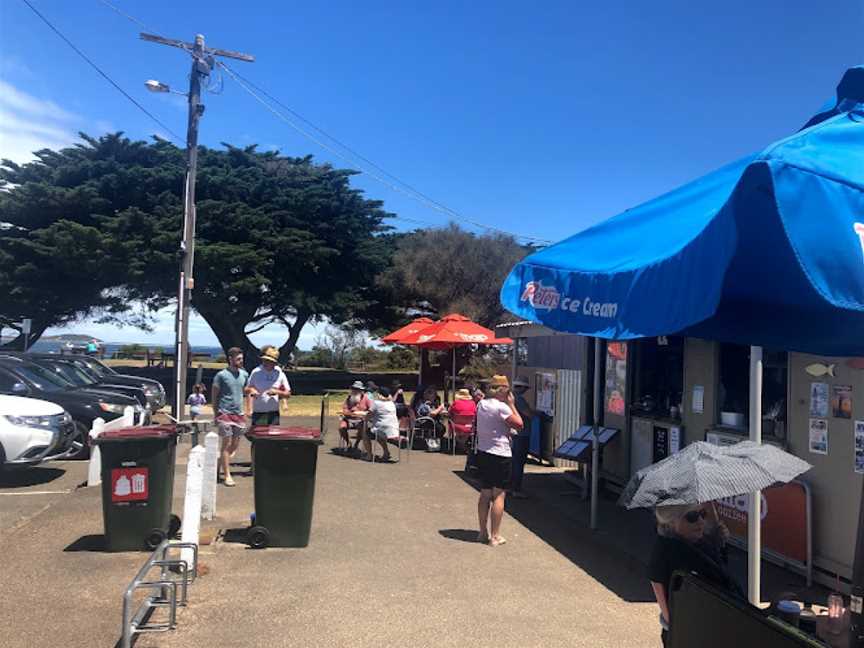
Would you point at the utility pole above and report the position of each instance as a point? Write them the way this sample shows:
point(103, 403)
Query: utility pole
point(203, 61)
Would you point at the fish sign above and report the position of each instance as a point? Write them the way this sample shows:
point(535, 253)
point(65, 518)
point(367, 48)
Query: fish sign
point(817, 369)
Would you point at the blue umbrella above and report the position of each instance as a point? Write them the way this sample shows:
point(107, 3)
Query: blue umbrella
point(766, 251)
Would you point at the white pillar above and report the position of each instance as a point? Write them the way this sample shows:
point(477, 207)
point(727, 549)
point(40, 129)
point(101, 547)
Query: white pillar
point(192, 501)
point(208, 486)
point(128, 416)
point(94, 469)
point(754, 510)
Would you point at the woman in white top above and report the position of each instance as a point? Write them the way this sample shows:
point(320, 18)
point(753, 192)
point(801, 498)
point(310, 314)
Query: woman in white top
point(497, 422)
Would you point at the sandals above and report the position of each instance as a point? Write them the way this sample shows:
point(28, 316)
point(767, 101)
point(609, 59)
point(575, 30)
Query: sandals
point(497, 541)
point(482, 537)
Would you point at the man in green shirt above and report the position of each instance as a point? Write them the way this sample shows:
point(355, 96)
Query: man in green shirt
point(228, 388)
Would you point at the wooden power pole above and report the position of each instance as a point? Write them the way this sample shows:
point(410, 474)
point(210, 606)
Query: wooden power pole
point(203, 61)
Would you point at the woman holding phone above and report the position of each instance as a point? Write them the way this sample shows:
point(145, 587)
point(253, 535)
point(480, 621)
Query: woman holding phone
point(497, 422)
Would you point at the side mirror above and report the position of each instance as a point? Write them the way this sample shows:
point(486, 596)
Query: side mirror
point(20, 389)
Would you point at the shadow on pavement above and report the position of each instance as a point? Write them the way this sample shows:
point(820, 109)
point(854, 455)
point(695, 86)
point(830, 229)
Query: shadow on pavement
point(462, 535)
point(23, 477)
point(88, 543)
point(552, 515)
point(235, 536)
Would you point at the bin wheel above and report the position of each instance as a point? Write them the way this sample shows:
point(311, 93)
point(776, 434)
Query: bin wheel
point(258, 537)
point(174, 524)
point(154, 538)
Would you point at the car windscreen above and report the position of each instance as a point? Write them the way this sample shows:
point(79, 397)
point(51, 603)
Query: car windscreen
point(43, 379)
point(72, 373)
point(96, 367)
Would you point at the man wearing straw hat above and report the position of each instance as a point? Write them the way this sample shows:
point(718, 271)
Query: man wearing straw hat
point(267, 384)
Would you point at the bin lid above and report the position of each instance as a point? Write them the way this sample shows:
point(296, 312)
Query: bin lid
point(294, 433)
point(138, 432)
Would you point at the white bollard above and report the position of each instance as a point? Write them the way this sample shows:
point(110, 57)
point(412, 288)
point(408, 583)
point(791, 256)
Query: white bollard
point(208, 486)
point(192, 501)
point(128, 416)
point(94, 469)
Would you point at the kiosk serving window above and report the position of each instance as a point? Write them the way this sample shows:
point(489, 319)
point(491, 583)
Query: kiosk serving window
point(659, 376)
point(734, 388)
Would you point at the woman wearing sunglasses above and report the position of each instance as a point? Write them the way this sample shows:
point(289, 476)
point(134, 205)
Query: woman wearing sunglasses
point(689, 538)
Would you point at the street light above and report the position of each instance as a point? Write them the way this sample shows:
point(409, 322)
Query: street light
point(157, 86)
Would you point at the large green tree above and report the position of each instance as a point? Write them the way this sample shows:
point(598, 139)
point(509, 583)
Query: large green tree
point(279, 239)
point(450, 270)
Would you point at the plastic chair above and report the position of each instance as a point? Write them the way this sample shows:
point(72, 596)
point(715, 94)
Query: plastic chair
point(460, 425)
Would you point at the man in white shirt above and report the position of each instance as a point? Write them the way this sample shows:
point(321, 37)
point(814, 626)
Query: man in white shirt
point(267, 384)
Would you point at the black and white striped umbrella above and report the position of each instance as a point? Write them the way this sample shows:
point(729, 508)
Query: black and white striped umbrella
point(702, 472)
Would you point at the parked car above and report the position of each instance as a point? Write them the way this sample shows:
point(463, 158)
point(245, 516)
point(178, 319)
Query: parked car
point(81, 376)
point(152, 388)
point(32, 431)
point(19, 377)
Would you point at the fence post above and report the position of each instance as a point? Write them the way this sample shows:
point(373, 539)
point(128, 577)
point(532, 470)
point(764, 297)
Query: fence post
point(192, 501)
point(208, 487)
point(94, 469)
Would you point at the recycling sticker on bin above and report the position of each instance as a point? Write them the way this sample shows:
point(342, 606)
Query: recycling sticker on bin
point(130, 484)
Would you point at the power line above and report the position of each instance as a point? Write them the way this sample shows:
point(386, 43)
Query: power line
point(394, 183)
point(101, 72)
point(411, 193)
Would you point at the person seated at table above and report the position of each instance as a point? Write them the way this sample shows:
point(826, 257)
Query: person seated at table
point(690, 538)
point(354, 411)
point(383, 425)
point(465, 408)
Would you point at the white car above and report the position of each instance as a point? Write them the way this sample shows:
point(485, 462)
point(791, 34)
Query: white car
point(32, 430)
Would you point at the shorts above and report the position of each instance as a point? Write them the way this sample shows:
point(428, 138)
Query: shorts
point(265, 418)
point(494, 470)
point(353, 423)
point(381, 435)
point(230, 425)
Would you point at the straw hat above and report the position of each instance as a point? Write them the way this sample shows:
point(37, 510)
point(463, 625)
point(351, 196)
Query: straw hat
point(462, 394)
point(499, 381)
point(270, 353)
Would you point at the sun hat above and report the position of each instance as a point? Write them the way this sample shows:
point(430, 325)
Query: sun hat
point(462, 394)
point(521, 382)
point(499, 381)
point(270, 353)
point(357, 384)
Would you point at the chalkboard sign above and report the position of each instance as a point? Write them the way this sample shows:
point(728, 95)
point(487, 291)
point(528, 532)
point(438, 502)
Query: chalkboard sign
point(661, 443)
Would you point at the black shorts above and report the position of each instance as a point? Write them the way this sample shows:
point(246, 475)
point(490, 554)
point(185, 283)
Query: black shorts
point(265, 418)
point(494, 470)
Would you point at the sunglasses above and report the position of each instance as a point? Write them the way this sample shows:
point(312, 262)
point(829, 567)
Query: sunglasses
point(693, 517)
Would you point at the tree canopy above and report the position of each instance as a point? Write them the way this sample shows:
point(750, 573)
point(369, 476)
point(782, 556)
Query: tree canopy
point(88, 229)
point(450, 270)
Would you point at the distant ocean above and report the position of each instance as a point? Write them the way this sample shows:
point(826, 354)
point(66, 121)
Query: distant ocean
point(109, 348)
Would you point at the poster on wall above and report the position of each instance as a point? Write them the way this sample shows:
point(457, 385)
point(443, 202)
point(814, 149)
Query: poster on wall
point(698, 406)
point(544, 390)
point(819, 399)
point(616, 377)
point(859, 447)
point(819, 436)
point(841, 401)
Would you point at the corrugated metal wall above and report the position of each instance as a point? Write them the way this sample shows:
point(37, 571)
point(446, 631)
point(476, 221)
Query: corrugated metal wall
point(556, 351)
point(568, 409)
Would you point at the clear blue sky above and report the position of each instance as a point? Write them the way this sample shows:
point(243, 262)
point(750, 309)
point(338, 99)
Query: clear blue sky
point(540, 120)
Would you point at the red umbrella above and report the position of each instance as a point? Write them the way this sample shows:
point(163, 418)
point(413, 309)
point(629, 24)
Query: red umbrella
point(409, 329)
point(450, 332)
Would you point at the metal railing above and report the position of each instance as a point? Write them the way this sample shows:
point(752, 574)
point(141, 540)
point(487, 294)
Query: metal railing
point(173, 574)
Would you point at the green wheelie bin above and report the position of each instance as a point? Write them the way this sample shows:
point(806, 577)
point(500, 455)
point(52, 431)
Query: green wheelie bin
point(138, 486)
point(285, 463)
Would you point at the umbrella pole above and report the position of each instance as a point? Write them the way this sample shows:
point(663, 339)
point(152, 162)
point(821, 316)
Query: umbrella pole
point(754, 511)
point(453, 392)
point(595, 444)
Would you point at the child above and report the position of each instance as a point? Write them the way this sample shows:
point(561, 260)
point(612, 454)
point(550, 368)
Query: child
point(196, 399)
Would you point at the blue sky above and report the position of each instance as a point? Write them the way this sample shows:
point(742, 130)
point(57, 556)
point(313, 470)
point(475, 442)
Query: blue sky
point(540, 120)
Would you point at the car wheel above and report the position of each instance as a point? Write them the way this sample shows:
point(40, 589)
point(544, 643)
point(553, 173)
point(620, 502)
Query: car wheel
point(80, 441)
